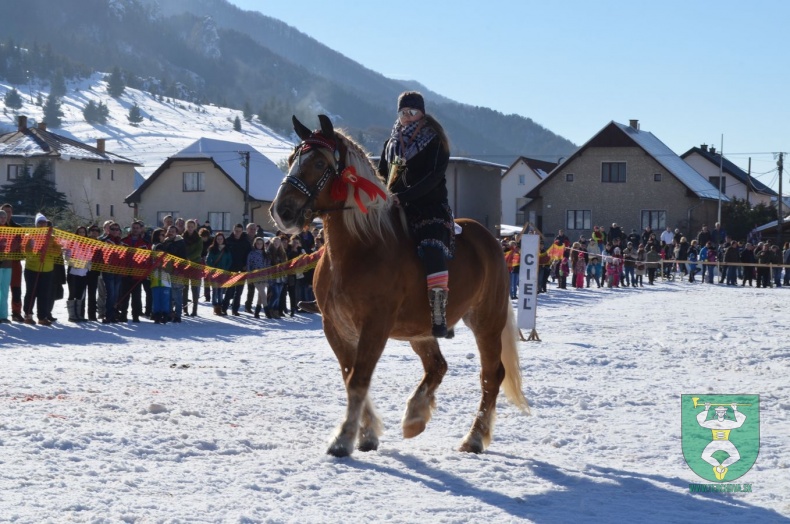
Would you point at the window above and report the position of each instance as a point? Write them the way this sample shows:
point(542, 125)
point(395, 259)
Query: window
point(98, 173)
point(714, 180)
point(569, 177)
point(657, 177)
point(160, 216)
point(193, 182)
point(521, 203)
point(98, 211)
point(112, 174)
point(578, 219)
point(613, 172)
point(112, 210)
point(522, 180)
point(17, 170)
point(220, 221)
point(657, 220)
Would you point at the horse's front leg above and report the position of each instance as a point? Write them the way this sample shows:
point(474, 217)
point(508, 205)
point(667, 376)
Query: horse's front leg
point(357, 364)
point(422, 402)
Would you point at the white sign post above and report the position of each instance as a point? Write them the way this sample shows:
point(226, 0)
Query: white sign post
point(528, 284)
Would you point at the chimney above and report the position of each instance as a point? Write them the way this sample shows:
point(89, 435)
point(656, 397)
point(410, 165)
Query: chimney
point(634, 124)
point(42, 126)
point(704, 147)
point(100, 144)
point(22, 123)
point(713, 149)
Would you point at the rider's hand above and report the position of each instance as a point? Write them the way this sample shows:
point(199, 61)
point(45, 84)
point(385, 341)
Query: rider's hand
point(707, 406)
point(395, 200)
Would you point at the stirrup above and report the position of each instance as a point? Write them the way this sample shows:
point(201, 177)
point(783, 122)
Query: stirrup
point(437, 298)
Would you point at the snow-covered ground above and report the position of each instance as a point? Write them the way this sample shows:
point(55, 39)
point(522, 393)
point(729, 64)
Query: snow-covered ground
point(227, 419)
point(169, 125)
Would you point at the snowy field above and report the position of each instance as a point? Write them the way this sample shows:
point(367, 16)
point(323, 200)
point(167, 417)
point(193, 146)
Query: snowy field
point(227, 420)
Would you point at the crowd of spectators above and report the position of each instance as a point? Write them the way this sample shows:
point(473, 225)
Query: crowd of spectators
point(110, 297)
point(615, 259)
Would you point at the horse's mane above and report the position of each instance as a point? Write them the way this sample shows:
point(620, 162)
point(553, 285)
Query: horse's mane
point(377, 222)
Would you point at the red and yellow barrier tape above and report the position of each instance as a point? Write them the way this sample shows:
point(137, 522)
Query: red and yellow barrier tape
point(31, 243)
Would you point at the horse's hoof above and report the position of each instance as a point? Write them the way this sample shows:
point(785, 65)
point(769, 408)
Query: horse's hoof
point(368, 445)
point(339, 451)
point(472, 445)
point(413, 427)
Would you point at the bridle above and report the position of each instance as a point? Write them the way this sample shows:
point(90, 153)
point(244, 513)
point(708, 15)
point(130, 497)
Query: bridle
point(322, 145)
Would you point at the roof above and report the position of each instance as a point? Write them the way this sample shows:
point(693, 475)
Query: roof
point(733, 170)
point(541, 167)
point(465, 160)
point(32, 142)
point(772, 225)
point(265, 176)
point(616, 134)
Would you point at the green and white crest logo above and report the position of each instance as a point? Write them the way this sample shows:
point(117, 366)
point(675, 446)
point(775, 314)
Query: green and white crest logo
point(720, 434)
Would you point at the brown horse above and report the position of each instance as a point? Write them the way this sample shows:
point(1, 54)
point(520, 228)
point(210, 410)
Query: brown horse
point(370, 287)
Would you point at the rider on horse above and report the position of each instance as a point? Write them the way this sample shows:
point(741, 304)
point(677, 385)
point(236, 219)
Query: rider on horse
point(413, 163)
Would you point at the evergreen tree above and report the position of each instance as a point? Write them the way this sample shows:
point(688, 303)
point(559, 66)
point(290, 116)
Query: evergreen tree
point(52, 112)
point(95, 114)
point(739, 218)
point(247, 111)
point(237, 124)
point(135, 116)
point(90, 112)
point(39, 99)
point(34, 192)
point(58, 85)
point(115, 84)
point(12, 99)
point(103, 112)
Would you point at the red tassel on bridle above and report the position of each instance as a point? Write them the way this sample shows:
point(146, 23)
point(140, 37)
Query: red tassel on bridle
point(348, 177)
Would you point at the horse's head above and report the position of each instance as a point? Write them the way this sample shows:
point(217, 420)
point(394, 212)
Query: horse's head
point(313, 165)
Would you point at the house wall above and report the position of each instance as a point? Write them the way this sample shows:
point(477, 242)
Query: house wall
point(511, 191)
point(77, 179)
point(166, 193)
point(732, 186)
point(84, 189)
point(474, 192)
point(622, 203)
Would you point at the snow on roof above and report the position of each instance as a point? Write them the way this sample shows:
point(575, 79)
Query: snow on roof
point(265, 176)
point(672, 162)
point(34, 142)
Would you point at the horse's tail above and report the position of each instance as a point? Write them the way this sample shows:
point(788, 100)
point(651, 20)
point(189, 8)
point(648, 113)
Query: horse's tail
point(512, 383)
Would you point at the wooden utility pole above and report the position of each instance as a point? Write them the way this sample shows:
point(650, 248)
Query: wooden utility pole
point(246, 163)
point(780, 221)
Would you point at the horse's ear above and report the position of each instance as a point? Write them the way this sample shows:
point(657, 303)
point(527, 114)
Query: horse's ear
point(327, 129)
point(301, 130)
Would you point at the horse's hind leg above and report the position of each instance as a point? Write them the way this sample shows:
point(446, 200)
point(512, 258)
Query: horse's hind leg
point(491, 375)
point(421, 403)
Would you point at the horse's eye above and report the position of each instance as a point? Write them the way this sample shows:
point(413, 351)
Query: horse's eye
point(320, 164)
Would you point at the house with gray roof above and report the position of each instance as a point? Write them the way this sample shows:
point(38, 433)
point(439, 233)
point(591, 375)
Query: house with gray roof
point(94, 180)
point(627, 176)
point(207, 180)
point(735, 182)
point(517, 180)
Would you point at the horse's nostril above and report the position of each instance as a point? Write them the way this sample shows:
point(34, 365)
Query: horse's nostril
point(287, 214)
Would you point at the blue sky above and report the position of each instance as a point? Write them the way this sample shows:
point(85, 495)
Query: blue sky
point(689, 71)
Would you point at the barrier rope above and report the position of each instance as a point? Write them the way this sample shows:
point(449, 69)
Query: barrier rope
point(83, 252)
point(663, 261)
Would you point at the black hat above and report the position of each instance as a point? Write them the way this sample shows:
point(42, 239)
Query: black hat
point(411, 100)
